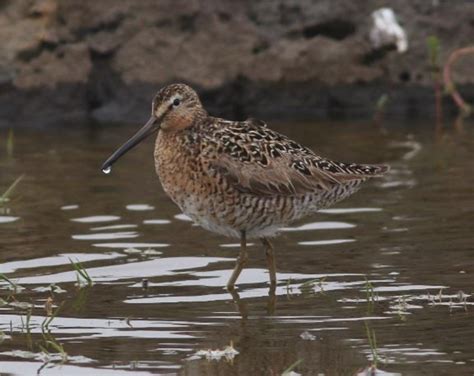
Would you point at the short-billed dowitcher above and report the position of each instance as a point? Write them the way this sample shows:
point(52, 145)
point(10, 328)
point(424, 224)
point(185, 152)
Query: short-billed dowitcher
point(239, 178)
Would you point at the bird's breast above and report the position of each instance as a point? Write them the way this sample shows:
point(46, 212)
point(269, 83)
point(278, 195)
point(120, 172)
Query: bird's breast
point(174, 165)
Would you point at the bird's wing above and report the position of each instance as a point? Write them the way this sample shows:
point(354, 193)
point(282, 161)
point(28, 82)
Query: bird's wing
point(254, 159)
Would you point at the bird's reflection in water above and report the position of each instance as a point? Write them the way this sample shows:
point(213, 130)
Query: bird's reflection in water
point(241, 305)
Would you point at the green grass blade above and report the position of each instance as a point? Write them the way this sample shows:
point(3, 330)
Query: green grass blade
point(81, 272)
point(292, 367)
point(10, 189)
point(4, 277)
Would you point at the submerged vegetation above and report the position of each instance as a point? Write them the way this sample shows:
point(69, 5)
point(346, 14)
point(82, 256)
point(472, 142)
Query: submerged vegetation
point(83, 277)
point(371, 298)
point(5, 197)
point(370, 333)
point(47, 344)
point(289, 370)
point(13, 286)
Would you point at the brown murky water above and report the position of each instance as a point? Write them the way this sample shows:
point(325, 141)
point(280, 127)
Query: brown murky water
point(410, 235)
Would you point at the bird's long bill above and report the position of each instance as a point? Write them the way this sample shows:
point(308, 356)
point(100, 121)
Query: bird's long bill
point(151, 126)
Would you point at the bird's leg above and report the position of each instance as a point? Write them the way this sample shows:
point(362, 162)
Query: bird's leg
point(270, 254)
point(241, 261)
point(241, 305)
point(271, 300)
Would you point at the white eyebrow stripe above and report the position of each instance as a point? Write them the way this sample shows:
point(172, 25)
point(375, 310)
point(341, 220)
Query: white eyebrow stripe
point(176, 96)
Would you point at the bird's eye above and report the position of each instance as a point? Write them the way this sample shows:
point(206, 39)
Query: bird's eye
point(176, 102)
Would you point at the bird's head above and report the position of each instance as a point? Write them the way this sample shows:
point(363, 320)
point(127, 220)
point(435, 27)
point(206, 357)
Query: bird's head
point(174, 108)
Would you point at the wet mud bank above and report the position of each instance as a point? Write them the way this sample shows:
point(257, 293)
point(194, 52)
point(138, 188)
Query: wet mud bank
point(70, 61)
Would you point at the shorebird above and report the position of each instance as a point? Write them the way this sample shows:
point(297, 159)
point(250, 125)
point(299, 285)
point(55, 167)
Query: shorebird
point(239, 178)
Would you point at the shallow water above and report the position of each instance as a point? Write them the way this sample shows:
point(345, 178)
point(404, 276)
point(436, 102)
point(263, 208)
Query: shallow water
point(386, 274)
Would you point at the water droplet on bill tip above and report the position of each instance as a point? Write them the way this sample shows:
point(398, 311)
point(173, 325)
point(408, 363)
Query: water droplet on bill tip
point(107, 170)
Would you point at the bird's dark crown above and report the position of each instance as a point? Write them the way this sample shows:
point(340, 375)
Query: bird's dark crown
point(184, 93)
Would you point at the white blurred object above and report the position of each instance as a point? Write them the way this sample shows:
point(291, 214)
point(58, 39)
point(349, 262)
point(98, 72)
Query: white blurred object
point(386, 30)
point(228, 353)
point(307, 336)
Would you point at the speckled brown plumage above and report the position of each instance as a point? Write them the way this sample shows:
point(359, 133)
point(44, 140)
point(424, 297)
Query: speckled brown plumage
point(241, 179)
point(231, 177)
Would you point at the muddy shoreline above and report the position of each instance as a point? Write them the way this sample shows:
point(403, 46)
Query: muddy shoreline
point(68, 61)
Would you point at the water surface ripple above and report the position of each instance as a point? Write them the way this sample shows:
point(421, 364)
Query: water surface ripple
point(393, 263)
